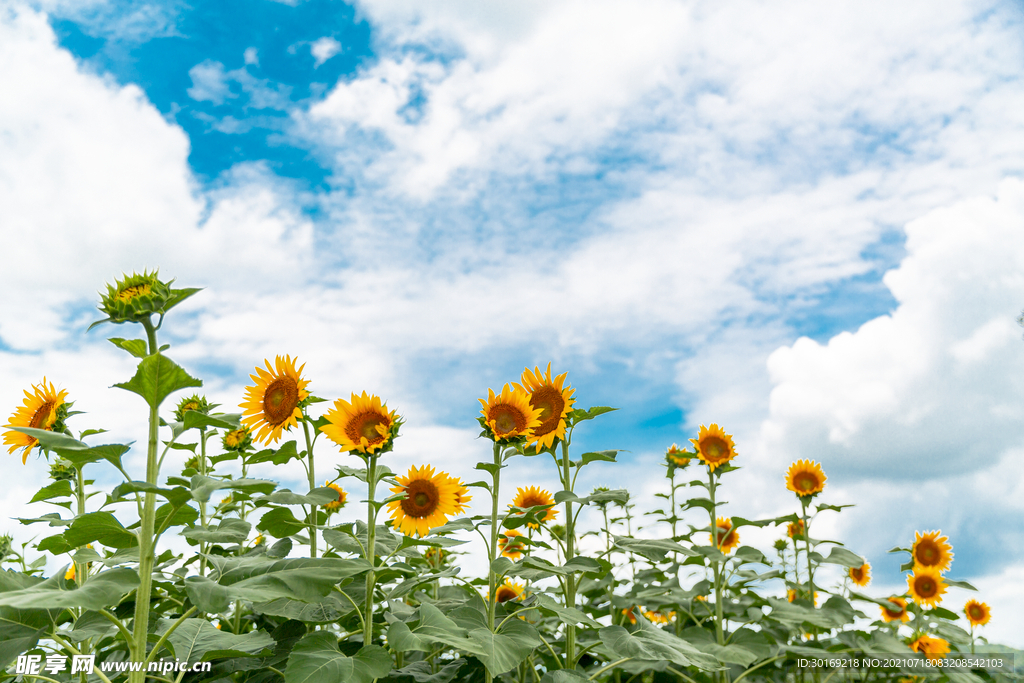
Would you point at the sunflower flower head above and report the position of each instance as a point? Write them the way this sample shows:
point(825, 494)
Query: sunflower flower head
point(557, 531)
point(861, 575)
point(677, 459)
point(553, 398)
point(890, 615)
point(508, 417)
point(933, 648)
point(658, 617)
point(926, 586)
point(780, 544)
point(805, 478)
point(508, 591)
point(195, 403)
point(429, 499)
point(273, 404)
point(931, 550)
point(462, 497)
point(532, 496)
point(714, 447)
point(6, 546)
point(795, 529)
point(792, 594)
point(237, 440)
point(60, 471)
point(136, 297)
point(977, 613)
point(362, 425)
point(43, 408)
point(435, 556)
point(69, 575)
point(630, 613)
point(512, 544)
point(727, 536)
point(259, 540)
point(335, 505)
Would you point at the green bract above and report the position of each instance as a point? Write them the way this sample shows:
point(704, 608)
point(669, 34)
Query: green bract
point(136, 297)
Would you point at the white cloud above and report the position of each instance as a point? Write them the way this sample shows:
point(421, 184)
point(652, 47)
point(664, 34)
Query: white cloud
point(323, 49)
point(209, 82)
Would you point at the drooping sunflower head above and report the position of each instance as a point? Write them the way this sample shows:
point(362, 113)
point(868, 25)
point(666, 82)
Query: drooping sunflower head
point(429, 499)
point(889, 614)
point(714, 446)
point(534, 495)
point(237, 439)
point(977, 613)
point(512, 544)
point(926, 586)
point(553, 398)
point(931, 550)
point(508, 417)
point(335, 505)
point(508, 591)
point(861, 575)
point(272, 403)
point(557, 531)
point(362, 425)
point(194, 402)
point(805, 478)
point(43, 408)
point(676, 458)
point(136, 297)
point(933, 648)
point(727, 536)
point(462, 496)
point(795, 529)
point(61, 471)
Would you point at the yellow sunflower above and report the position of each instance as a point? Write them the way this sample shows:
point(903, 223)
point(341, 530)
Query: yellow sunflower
point(462, 496)
point(364, 425)
point(977, 613)
point(805, 478)
point(861, 575)
point(511, 544)
point(335, 505)
point(237, 439)
point(39, 411)
point(933, 648)
point(509, 415)
point(727, 536)
point(795, 529)
point(658, 617)
point(552, 400)
point(932, 551)
point(630, 614)
point(271, 405)
point(508, 591)
point(69, 575)
point(714, 446)
point(674, 457)
point(429, 499)
point(926, 586)
point(534, 495)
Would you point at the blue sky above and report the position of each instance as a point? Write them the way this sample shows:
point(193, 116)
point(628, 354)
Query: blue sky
point(800, 223)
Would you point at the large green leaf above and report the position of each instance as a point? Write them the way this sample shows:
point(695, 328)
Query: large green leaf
point(504, 650)
point(649, 643)
point(197, 640)
point(329, 608)
point(563, 676)
point(432, 627)
point(58, 489)
point(156, 377)
point(318, 496)
point(567, 615)
point(844, 557)
point(316, 659)
point(101, 527)
point(230, 530)
point(102, 590)
point(279, 523)
point(21, 628)
point(655, 549)
point(741, 649)
point(194, 419)
point(420, 672)
point(203, 487)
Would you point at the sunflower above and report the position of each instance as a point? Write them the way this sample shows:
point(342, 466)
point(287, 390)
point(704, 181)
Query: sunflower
point(552, 400)
point(977, 613)
point(792, 595)
point(932, 648)
point(511, 544)
point(932, 550)
point(69, 575)
point(795, 529)
point(237, 439)
point(259, 540)
point(658, 617)
point(196, 403)
point(861, 575)
point(805, 478)
point(336, 505)
point(534, 495)
point(508, 415)
point(727, 536)
point(429, 498)
point(462, 496)
point(714, 446)
point(508, 591)
point(676, 457)
point(44, 408)
point(272, 404)
point(926, 586)
point(364, 425)
point(630, 614)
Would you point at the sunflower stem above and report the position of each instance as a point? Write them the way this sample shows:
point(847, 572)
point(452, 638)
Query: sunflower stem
point(492, 550)
point(203, 517)
point(716, 564)
point(371, 541)
point(807, 547)
point(146, 529)
point(311, 473)
point(570, 552)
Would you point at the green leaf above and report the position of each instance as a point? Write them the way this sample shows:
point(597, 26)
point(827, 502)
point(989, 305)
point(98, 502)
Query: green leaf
point(603, 456)
point(178, 495)
point(420, 672)
point(650, 643)
point(197, 640)
point(960, 584)
point(316, 659)
point(329, 608)
point(100, 591)
point(563, 676)
point(193, 419)
point(168, 515)
point(136, 347)
point(20, 629)
point(615, 495)
point(567, 615)
point(654, 549)
point(431, 627)
point(844, 557)
point(704, 503)
point(280, 456)
point(318, 496)
point(101, 527)
point(158, 376)
point(503, 651)
point(279, 523)
point(230, 530)
point(51, 441)
point(58, 489)
point(203, 487)
point(580, 415)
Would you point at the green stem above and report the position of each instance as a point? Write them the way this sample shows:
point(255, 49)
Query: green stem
point(204, 518)
point(311, 473)
point(570, 553)
point(147, 555)
point(371, 541)
point(716, 564)
point(492, 549)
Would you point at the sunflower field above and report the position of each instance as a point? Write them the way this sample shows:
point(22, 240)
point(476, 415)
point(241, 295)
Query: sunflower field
point(313, 586)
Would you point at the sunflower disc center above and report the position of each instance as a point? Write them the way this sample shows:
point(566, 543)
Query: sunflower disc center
point(422, 498)
point(507, 420)
point(280, 400)
point(41, 415)
point(550, 402)
point(364, 426)
point(714, 448)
